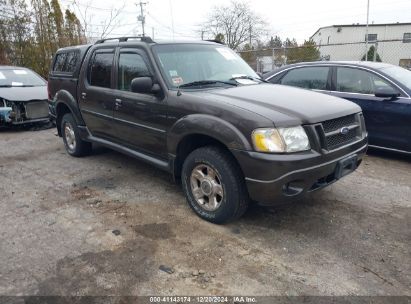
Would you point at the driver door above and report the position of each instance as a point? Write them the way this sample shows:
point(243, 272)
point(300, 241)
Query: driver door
point(140, 119)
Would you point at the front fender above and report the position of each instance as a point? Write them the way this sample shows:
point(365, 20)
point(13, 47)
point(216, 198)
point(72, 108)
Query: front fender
point(207, 125)
point(64, 97)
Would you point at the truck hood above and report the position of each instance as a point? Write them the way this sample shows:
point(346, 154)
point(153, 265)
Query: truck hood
point(24, 93)
point(285, 105)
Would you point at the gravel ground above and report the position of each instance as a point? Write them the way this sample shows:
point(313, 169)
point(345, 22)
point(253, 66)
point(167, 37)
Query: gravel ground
point(110, 225)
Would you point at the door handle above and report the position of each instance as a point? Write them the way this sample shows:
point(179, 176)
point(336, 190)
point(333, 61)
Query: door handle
point(83, 95)
point(118, 103)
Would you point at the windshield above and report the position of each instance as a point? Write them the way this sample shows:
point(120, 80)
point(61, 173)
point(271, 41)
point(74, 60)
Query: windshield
point(187, 63)
point(19, 78)
point(400, 74)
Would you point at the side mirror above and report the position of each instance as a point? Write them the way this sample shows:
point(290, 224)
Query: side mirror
point(386, 92)
point(144, 85)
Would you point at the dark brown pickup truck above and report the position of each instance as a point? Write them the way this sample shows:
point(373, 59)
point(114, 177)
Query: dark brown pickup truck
point(198, 111)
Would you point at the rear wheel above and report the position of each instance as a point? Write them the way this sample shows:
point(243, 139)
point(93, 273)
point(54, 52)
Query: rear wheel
point(213, 185)
point(74, 145)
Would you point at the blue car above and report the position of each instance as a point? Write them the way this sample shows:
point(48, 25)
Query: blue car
point(382, 91)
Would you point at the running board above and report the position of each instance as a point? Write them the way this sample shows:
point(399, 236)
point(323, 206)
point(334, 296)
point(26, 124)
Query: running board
point(161, 164)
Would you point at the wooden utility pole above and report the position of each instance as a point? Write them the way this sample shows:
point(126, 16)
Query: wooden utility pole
point(250, 34)
point(142, 18)
point(366, 31)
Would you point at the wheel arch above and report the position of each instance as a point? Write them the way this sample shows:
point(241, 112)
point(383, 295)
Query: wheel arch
point(196, 131)
point(66, 103)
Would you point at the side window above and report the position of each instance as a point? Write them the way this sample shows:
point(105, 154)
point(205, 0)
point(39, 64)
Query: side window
point(275, 79)
point(359, 81)
point(60, 61)
point(130, 66)
point(308, 77)
point(71, 62)
point(66, 62)
point(100, 70)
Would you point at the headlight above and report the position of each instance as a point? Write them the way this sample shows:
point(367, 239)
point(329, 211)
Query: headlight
point(292, 139)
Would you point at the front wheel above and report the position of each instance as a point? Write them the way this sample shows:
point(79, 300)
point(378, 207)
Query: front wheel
point(214, 185)
point(73, 143)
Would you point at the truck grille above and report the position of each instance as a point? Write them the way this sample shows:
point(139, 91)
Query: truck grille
point(338, 123)
point(341, 131)
point(338, 140)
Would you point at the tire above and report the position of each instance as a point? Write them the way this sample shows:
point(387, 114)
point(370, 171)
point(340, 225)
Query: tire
point(228, 199)
point(74, 145)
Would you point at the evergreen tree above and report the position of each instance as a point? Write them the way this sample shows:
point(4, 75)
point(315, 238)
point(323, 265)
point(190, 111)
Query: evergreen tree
point(370, 55)
point(30, 35)
point(219, 37)
point(4, 43)
point(275, 42)
point(290, 42)
point(58, 19)
point(307, 52)
point(15, 32)
point(249, 56)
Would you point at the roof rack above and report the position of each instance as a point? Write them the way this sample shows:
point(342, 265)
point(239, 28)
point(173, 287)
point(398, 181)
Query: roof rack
point(124, 39)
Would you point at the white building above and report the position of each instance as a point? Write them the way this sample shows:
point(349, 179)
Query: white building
point(347, 42)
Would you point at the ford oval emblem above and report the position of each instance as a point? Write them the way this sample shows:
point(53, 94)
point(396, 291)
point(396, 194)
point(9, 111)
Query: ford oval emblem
point(344, 130)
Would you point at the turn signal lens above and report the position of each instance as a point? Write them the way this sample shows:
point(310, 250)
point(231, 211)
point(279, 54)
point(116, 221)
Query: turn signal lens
point(279, 140)
point(268, 140)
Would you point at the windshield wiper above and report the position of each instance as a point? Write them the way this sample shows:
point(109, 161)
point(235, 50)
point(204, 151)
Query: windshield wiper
point(249, 78)
point(5, 85)
point(206, 82)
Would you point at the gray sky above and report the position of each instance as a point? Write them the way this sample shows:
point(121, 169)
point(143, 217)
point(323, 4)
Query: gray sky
point(289, 18)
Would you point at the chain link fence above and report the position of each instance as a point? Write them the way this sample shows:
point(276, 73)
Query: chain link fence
point(396, 52)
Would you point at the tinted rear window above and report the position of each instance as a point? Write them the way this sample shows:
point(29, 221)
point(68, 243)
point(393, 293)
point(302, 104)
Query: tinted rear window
point(71, 61)
point(66, 62)
point(100, 70)
point(60, 60)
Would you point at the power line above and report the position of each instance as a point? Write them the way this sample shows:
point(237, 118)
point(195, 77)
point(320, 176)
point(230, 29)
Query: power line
point(33, 22)
point(88, 32)
point(74, 2)
point(169, 28)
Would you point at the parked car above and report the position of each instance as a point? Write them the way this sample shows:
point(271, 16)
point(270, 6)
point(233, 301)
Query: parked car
point(198, 111)
point(23, 96)
point(381, 90)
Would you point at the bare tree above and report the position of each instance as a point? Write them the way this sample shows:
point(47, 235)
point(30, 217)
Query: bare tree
point(237, 23)
point(103, 30)
point(111, 22)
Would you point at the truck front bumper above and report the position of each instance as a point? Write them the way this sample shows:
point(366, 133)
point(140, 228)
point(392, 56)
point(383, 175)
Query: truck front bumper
point(278, 178)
